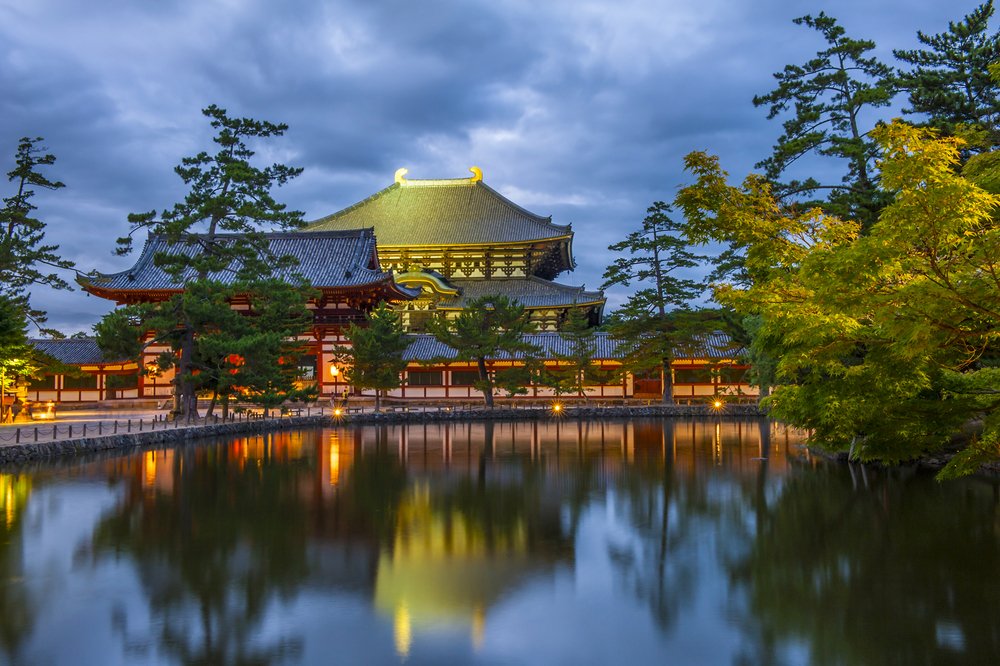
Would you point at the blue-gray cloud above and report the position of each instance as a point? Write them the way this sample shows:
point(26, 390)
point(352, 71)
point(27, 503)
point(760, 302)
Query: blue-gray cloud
point(581, 109)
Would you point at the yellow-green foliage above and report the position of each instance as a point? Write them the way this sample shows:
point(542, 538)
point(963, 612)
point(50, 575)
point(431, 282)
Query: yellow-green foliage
point(879, 337)
point(984, 171)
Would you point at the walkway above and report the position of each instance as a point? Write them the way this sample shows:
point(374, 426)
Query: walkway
point(77, 424)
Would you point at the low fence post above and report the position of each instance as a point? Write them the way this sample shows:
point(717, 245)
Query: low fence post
point(71, 431)
point(36, 433)
point(17, 436)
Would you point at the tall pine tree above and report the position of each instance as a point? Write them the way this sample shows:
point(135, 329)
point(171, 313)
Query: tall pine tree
point(829, 96)
point(227, 194)
point(949, 81)
point(652, 324)
point(25, 258)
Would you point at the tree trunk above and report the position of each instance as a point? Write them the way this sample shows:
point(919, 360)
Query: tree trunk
point(378, 400)
point(211, 405)
point(667, 383)
point(225, 407)
point(187, 400)
point(765, 390)
point(484, 377)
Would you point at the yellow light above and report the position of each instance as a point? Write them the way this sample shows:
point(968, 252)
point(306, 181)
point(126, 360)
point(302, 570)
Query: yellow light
point(717, 404)
point(334, 370)
point(150, 464)
point(402, 630)
point(334, 463)
point(338, 412)
point(557, 407)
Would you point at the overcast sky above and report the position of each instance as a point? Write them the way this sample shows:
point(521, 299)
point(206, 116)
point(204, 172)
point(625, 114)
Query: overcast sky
point(577, 109)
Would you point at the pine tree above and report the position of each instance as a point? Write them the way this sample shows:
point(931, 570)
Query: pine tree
point(25, 258)
point(488, 327)
point(652, 324)
point(950, 82)
point(375, 358)
point(829, 94)
point(577, 367)
point(227, 194)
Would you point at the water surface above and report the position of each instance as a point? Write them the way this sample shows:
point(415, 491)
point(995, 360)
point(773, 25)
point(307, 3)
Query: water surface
point(682, 542)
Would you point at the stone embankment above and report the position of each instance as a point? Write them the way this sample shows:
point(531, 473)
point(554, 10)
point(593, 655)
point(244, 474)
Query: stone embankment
point(124, 441)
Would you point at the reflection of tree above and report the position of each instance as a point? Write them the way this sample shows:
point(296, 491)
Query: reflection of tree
point(860, 565)
point(228, 540)
point(659, 565)
point(377, 482)
point(17, 607)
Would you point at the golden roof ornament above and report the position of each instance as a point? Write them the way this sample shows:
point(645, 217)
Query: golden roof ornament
point(400, 176)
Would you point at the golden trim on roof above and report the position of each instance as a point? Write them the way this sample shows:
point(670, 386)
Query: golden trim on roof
point(400, 179)
point(484, 244)
point(436, 284)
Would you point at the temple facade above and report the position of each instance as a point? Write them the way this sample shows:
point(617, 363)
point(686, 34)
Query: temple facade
point(459, 239)
point(428, 247)
point(343, 266)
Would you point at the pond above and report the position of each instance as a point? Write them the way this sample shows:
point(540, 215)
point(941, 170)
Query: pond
point(559, 542)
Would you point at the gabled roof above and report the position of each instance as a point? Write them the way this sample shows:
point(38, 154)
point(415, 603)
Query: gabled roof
point(328, 259)
point(715, 345)
point(462, 211)
point(75, 351)
point(531, 292)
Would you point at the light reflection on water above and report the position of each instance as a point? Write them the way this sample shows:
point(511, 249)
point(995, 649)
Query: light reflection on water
point(711, 541)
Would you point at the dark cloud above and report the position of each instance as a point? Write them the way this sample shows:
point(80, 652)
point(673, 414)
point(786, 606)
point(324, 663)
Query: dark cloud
point(581, 109)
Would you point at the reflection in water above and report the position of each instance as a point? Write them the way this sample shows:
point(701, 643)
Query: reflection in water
point(706, 541)
point(17, 604)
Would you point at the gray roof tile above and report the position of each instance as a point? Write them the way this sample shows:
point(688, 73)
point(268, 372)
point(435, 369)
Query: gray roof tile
point(715, 345)
point(326, 259)
point(531, 292)
point(74, 351)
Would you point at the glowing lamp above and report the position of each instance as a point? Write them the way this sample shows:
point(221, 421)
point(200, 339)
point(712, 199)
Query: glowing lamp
point(334, 370)
point(717, 404)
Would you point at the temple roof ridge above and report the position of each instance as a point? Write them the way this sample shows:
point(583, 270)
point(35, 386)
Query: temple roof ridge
point(460, 211)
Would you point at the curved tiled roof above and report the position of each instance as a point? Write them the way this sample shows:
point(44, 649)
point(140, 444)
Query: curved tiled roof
point(715, 345)
point(326, 259)
point(74, 351)
point(442, 212)
point(531, 292)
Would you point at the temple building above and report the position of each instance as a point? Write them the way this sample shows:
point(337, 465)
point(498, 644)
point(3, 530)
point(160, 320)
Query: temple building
point(427, 247)
point(459, 239)
point(342, 266)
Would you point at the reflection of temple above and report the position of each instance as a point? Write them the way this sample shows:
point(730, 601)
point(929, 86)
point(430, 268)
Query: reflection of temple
point(435, 523)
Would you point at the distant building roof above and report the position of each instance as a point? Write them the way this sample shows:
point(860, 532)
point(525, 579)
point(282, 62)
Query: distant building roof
point(531, 292)
point(462, 211)
point(327, 259)
point(715, 345)
point(75, 351)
